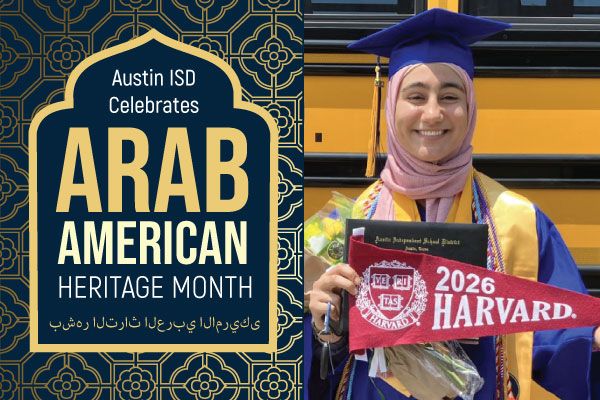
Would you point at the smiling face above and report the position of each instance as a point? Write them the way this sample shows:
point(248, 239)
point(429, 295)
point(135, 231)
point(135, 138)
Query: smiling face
point(431, 116)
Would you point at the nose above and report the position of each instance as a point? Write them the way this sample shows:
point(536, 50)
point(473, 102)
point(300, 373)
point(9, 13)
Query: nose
point(432, 111)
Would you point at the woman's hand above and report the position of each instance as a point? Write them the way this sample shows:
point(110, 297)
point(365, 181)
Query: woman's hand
point(327, 289)
point(597, 338)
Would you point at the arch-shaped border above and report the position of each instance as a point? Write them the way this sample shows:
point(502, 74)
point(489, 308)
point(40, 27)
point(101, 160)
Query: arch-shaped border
point(68, 103)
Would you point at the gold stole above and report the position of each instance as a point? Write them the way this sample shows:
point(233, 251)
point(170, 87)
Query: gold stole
point(515, 224)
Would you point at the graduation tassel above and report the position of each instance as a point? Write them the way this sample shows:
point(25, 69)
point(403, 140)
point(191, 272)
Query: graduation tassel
point(374, 136)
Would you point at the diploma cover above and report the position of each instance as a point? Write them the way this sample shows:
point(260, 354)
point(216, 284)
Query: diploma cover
point(461, 242)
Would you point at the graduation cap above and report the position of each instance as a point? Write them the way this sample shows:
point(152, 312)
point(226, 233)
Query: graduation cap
point(436, 35)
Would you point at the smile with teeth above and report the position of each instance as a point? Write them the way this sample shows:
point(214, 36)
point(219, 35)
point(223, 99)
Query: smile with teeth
point(437, 132)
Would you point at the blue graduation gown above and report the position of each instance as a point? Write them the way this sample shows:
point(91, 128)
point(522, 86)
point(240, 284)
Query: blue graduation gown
point(561, 358)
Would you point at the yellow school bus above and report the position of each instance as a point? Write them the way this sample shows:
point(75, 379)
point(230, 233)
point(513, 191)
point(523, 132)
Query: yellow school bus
point(538, 96)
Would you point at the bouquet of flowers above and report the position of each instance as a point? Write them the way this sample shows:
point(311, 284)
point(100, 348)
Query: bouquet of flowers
point(324, 232)
point(324, 239)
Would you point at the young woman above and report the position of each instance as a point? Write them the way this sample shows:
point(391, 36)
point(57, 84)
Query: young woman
point(430, 114)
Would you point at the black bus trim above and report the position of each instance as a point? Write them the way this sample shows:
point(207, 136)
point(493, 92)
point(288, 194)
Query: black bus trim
point(513, 171)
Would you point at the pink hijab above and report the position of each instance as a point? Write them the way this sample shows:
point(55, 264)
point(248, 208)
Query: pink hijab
point(416, 179)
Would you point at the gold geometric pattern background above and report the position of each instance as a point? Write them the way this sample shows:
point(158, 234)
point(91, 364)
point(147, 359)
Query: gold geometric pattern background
point(41, 41)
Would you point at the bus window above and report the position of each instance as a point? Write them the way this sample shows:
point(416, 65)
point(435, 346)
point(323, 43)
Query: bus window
point(532, 8)
point(359, 6)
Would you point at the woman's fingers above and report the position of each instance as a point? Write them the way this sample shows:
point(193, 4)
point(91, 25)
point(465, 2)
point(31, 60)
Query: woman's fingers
point(346, 271)
point(335, 279)
point(326, 290)
point(318, 306)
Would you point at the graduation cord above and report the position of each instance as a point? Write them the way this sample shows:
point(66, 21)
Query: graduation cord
point(344, 390)
point(495, 262)
point(374, 206)
point(370, 203)
point(481, 218)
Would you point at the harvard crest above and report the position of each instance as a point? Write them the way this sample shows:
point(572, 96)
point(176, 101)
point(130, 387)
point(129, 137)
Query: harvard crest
point(392, 295)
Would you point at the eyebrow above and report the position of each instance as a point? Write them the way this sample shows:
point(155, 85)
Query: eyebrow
point(445, 85)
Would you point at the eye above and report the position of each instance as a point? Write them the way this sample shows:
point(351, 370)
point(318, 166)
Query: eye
point(415, 97)
point(449, 98)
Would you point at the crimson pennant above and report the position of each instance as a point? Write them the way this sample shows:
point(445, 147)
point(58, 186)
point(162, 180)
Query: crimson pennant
point(409, 298)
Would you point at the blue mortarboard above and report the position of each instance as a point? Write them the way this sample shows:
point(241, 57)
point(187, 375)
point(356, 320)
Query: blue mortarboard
point(436, 35)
